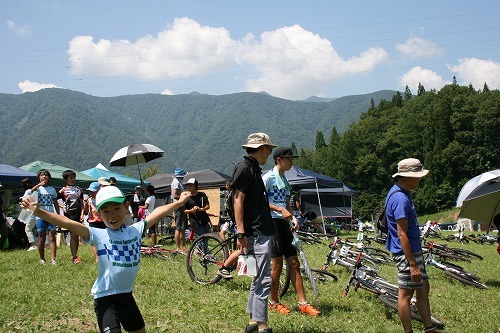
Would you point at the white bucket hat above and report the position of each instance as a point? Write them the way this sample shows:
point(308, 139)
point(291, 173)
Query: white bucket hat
point(410, 167)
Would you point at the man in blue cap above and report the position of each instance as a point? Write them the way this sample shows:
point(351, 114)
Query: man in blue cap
point(176, 188)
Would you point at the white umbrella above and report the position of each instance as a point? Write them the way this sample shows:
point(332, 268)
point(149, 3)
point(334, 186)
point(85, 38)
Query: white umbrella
point(136, 154)
point(472, 184)
point(483, 204)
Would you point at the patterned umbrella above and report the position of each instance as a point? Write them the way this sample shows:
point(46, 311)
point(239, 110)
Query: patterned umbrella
point(483, 204)
point(136, 154)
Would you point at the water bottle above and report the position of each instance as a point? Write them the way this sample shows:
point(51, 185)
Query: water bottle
point(242, 264)
point(251, 266)
point(26, 213)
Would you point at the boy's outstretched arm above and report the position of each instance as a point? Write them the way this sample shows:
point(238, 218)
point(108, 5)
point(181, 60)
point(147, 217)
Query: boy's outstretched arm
point(58, 220)
point(163, 211)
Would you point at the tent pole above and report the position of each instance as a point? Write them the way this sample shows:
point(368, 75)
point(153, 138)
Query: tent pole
point(319, 203)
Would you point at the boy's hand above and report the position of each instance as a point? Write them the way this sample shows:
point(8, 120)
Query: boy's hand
point(184, 196)
point(26, 204)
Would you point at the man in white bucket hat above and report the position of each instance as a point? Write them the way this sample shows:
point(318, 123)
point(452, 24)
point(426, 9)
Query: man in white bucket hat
point(403, 240)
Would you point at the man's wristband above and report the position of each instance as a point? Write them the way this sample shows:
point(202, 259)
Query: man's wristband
point(240, 235)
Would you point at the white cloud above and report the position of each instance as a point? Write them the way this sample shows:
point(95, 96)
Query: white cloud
point(477, 72)
point(295, 63)
point(185, 49)
point(28, 86)
point(429, 79)
point(167, 92)
point(418, 47)
point(25, 30)
point(289, 62)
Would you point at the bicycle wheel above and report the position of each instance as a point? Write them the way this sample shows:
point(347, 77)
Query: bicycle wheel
point(284, 281)
point(392, 303)
point(466, 279)
point(322, 276)
point(466, 253)
point(205, 257)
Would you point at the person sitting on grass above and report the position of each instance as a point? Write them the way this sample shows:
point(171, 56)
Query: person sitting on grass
point(118, 247)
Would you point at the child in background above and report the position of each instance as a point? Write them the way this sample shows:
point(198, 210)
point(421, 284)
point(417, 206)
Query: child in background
point(119, 249)
point(141, 212)
point(47, 199)
point(90, 210)
point(27, 186)
point(72, 197)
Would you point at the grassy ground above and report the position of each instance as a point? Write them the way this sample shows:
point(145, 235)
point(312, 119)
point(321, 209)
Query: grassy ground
point(48, 298)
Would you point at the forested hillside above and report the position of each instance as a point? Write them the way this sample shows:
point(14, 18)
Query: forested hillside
point(455, 132)
point(196, 131)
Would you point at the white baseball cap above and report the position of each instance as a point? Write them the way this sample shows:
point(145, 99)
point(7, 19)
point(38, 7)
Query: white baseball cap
point(109, 194)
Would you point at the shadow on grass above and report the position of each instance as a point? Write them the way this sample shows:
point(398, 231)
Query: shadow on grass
point(492, 283)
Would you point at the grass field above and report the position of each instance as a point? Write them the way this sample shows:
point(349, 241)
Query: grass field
point(36, 298)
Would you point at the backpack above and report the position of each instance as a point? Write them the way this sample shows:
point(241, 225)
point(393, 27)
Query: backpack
point(381, 220)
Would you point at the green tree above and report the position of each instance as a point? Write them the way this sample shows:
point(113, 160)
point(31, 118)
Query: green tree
point(407, 93)
point(420, 89)
point(320, 140)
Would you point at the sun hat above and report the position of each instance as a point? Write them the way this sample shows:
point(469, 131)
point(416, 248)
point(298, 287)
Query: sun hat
point(179, 172)
point(284, 152)
point(410, 167)
point(94, 187)
point(255, 140)
point(138, 187)
point(103, 181)
point(109, 194)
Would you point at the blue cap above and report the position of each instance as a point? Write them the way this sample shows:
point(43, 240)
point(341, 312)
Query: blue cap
point(179, 172)
point(94, 187)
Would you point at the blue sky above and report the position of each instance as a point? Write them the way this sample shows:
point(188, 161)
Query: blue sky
point(290, 49)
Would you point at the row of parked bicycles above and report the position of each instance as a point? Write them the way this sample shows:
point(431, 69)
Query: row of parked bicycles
point(362, 257)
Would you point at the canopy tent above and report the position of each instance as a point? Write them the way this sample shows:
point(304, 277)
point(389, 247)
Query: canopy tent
point(336, 202)
point(11, 176)
point(124, 183)
point(207, 178)
point(301, 179)
point(56, 171)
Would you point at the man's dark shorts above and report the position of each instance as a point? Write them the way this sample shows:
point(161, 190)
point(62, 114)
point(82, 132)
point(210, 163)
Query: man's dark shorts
point(180, 219)
point(282, 240)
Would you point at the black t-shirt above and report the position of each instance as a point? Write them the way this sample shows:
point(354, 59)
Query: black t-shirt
point(247, 178)
point(199, 217)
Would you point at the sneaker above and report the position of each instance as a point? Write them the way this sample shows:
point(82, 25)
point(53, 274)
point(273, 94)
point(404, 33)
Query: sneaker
point(77, 260)
point(225, 273)
point(251, 328)
point(283, 309)
point(266, 330)
point(32, 248)
point(42, 261)
point(308, 309)
point(53, 262)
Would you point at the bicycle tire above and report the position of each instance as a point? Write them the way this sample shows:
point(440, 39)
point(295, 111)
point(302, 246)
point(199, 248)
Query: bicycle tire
point(284, 282)
point(392, 303)
point(160, 255)
point(321, 276)
point(205, 257)
point(466, 279)
point(467, 253)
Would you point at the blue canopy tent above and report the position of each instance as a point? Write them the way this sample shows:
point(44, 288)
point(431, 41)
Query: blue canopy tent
point(207, 178)
point(11, 176)
point(124, 183)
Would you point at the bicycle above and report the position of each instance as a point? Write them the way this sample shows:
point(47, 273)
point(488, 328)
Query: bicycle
point(387, 292)
point(158, 251)
point(334, 257)
point(454, 271)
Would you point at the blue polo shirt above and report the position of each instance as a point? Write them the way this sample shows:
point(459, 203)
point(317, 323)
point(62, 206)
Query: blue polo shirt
point(399, 206)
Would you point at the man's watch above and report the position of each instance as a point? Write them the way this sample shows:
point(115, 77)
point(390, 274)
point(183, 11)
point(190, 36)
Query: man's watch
point(240, 235)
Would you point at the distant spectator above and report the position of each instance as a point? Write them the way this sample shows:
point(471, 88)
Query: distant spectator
point(196, 208)
point(112, 181)
point(3, 227)
point(149, 206)
point(134, 204)
point(72, 197)
point(27, 186)
point(179, 215)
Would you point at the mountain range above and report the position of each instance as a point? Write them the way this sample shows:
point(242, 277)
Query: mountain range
point(196, 131)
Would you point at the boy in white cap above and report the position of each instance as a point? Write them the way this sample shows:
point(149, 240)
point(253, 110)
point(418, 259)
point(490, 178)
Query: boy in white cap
point(119, 251)
point(403, 240)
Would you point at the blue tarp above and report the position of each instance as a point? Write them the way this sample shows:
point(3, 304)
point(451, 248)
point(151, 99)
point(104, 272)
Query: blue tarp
point(11, 176)
point(124, 183)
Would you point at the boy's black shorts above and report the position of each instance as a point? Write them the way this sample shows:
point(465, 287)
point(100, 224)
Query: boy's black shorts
point(282, 240)
point(113, 310)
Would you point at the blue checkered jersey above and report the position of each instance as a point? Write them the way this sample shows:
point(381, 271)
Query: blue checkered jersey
point(276, 196)
point(47, 196)
point(119, 253)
